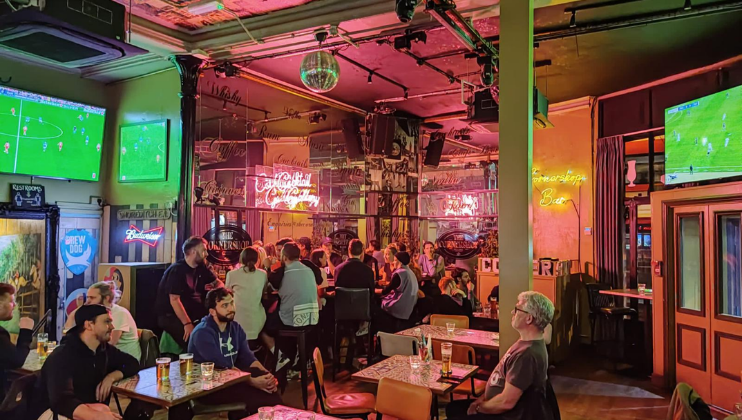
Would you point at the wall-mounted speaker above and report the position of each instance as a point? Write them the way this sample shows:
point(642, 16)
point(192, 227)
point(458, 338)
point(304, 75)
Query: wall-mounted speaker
point(353, 139)
point(381, 129)
point(435, 149)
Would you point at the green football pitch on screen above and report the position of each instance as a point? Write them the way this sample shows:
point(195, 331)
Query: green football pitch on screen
point(143, 152)
point(703, 138)
point(49, 137)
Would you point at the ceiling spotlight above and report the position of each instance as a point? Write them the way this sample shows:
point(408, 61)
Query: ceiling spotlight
point(405, 10)
point(573, 19)
point(224, 70)
point(317, 117)
point(488, 67)
point(687, 5)
point(370, 78)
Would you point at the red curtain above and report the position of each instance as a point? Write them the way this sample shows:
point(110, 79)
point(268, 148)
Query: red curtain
point(609, 207)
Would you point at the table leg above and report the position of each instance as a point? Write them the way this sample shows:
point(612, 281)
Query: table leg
point(303, 367)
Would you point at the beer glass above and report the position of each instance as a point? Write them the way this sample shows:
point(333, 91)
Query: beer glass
point(450, 328)
point(163, 369)
point(41, 340)
point(265, 413)
point(207, 370)
point(446, 351)
point(186, 363)
point(50, 346)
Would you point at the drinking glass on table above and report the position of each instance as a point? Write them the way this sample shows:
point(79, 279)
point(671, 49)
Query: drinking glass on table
point(207, 370)
point(450, 328)
point(41, 345)
point(163, 369)
point(446, 352)
point(50, 346)
point(415, 362)
point(186, 363)
point(266, 413)
point(487, 310)
point(642, 288)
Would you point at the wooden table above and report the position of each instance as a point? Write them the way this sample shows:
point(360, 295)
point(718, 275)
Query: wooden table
point(178, 389)
point(398, 368)
point(478, 339)
point(644, 309)
point(629, 293)
point(282, 412)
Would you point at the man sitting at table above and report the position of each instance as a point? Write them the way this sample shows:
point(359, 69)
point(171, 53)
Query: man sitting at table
point(399, 296)
point(220, 340)
point(517, 387)
point(354, 273)
point(77, 377)
point(12, 356)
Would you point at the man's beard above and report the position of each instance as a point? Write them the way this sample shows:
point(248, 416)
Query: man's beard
point(228, 318)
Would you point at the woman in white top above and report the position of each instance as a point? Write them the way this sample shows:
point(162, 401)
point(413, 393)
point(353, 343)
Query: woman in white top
point(248, 284)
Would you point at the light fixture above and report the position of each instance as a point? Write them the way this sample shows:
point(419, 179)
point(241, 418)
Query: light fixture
point(320, 72)
point(204, 7)
point(405, 10)
point(687, 5)
point(224, 70)
point(573, 19)
point(370, 80)
point(317, 117)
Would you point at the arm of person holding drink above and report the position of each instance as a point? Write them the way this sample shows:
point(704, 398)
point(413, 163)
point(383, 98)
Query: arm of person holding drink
point(14, 356)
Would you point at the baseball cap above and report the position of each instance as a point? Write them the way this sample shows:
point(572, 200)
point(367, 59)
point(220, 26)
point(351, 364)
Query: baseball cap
point(87, 313)
point(403, 257)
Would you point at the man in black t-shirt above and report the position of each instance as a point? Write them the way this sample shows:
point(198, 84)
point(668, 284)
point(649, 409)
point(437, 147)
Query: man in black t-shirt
point(517, 387)
point(182, 291)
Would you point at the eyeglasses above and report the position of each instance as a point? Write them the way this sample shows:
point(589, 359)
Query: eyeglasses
point(517, 309)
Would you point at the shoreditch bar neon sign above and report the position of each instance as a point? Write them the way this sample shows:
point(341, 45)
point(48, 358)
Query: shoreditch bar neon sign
point(549, 196)
point(286, 188)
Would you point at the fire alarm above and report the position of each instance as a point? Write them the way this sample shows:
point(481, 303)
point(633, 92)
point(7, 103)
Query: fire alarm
point(657, 267)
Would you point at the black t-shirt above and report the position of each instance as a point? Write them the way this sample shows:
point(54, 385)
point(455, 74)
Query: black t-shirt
point(354, 274)
point(188, 283)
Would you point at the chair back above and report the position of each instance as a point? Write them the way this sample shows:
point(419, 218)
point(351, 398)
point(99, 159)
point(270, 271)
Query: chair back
point(318, 367)
point(438, 320)
point(16, 402)
point(352, 304)
point(595, 299)
point(403, 401)
point(464, 355)
point(687, 404)
point(150, 345)
point(392, 344)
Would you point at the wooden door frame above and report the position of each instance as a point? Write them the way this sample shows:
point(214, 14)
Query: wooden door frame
point(663, 205)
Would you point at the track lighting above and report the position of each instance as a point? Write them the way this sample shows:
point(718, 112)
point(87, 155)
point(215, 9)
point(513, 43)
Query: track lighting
point(687, 5)
point(573, 19)
point(405, 10)
point(370, 80)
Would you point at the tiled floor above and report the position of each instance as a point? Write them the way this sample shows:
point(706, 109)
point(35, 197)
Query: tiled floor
point(585, 388)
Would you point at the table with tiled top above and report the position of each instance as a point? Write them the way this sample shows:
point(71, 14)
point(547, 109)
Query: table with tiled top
point(475, 338)
point(178, 388)
point(32, 363)
point(282, 412)
point(398, 368)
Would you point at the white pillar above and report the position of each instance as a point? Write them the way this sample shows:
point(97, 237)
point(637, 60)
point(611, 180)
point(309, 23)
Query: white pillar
point(516, 155)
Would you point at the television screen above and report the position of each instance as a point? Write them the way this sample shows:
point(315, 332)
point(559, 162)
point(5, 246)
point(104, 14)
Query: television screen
point(49, 137)
point(143, 151)
point(703, 138)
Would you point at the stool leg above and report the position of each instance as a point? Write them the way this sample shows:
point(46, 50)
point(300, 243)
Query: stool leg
point(303, 366)
point(335, 352)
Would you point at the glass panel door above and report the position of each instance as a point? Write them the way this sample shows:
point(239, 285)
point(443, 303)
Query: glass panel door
point(729, 276)
point(690, 263)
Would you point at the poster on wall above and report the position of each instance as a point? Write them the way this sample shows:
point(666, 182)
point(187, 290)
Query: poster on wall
point(397, 172)
point(78, 249)
point(21, 265)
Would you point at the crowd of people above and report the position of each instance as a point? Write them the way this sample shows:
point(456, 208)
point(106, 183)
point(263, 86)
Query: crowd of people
point(281, 286)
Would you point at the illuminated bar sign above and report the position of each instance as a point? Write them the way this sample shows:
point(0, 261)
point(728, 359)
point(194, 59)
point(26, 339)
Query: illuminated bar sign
point(148, 237)
point(460, 205)
point(286, 188)
point(469, 204)
point(549, 196)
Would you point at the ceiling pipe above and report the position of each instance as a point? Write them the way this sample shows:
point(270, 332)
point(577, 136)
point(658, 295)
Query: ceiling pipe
point(446, 117)
point(286, 87)
point(444, 11)
point(421, 62)
point(444, 92)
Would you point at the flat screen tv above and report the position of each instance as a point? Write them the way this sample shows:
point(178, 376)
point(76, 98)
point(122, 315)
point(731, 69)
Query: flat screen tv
point(143, 151)
point(703, 138)
point(49, 137)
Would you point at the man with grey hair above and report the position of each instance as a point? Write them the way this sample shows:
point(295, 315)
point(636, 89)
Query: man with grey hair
point(517, 387)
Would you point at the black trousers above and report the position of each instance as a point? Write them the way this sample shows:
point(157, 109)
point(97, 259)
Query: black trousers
point(172, 325)
point(456, 410)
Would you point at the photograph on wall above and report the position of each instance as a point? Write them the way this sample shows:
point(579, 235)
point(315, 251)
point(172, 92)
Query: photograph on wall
point(396, 171)
point(21, 265)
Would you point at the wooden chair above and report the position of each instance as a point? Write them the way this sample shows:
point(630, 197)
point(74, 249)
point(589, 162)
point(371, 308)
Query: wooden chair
point(341, 405)
point(392, 344)
point(438, 320)
point(403, 401)
point(464, 355)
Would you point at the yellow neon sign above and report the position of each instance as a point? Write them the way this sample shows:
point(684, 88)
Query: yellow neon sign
point(549, 196)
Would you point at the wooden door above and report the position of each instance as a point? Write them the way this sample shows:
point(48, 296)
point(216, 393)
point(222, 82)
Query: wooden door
point(692, 309)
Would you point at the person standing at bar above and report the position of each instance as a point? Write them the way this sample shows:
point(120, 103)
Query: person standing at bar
point(333, 258)
point(12, 356)
point(432, 268)
point(374, 249)
point(181, 293)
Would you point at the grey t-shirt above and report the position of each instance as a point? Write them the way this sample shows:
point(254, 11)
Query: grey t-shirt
point(523, 366)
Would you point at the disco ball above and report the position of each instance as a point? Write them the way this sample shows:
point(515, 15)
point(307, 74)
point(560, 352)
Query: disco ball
point(320, 72)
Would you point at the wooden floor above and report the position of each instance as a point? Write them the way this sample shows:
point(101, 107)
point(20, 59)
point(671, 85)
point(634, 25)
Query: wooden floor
point(585, 385)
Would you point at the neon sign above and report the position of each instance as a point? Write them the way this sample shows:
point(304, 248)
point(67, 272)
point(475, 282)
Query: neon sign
point(286, 188)
point(460, 205)
point(147, 237)
point(549, 196)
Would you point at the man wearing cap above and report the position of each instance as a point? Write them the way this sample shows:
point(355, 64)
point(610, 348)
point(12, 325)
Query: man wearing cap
point(399, 297)
point(78, 376)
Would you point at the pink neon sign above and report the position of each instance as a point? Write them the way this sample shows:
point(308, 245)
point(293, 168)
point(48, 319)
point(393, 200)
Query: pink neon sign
point(460, 205)
point(286, 188)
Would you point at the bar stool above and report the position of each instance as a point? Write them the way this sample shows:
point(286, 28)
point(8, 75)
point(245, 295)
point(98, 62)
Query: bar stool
point(300, 334)
point(604, 307)
point(350, 305)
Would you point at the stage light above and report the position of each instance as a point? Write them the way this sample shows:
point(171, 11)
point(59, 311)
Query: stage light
point(320, 72)
point(317, 117)
point(370, 80)
point(405, 10)
point(573, 19)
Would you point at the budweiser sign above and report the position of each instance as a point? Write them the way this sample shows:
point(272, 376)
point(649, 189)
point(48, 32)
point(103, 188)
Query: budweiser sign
point(148, 237)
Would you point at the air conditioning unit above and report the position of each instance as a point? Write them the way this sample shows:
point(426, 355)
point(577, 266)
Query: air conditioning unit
point(484, 112)
point(68, 33)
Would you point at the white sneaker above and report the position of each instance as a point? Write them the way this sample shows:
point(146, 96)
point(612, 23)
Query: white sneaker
point(282, 361)
point(363, 330)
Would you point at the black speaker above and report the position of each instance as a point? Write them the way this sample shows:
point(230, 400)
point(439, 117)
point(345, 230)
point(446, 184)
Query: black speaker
point(381, 132)
point(353, 139)
point(435, 149)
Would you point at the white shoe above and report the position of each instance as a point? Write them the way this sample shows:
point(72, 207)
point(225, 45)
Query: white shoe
point(363, 330)
point(282, 361)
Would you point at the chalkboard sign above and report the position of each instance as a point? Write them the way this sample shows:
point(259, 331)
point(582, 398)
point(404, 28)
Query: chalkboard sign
point(27, 196)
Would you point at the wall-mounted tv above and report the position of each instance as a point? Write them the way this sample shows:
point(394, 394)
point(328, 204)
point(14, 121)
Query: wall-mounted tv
point(49, 137)
point(703, 138)
point(143, 151)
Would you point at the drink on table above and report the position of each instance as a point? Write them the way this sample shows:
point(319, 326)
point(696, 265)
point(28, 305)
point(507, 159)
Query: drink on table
point(265, 413)
point(41, 349)
point(207, 370)
point(446, 351)
point(50, 346)
point(163, 369)
point(186, 363)
point(450, 328)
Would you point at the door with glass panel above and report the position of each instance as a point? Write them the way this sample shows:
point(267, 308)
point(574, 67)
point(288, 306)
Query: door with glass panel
point(708, 312)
